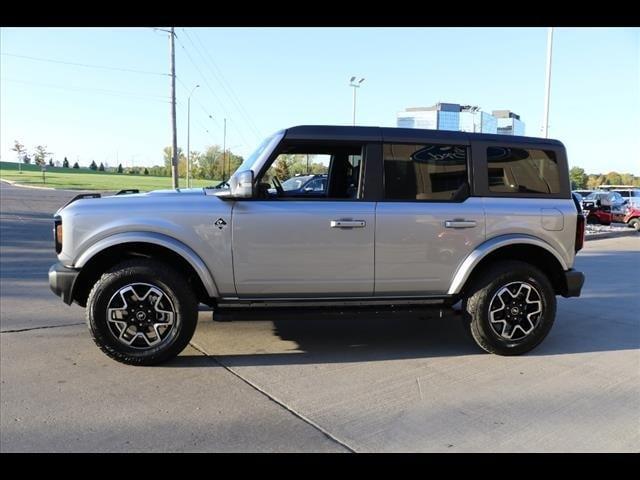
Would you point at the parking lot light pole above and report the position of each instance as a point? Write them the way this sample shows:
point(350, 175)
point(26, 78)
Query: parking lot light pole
point(547, 90)
point(188, 135)
point(354, 84)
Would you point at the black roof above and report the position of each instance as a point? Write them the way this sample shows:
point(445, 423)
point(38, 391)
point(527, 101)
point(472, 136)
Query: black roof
point(340, 132)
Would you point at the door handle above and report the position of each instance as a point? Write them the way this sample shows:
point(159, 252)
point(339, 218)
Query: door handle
point(459, 223)
point(348, 223)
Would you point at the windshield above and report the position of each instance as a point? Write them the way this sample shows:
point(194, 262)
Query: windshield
point(295, 183)
point(251, 159)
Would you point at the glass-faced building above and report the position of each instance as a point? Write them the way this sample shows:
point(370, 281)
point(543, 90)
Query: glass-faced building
point(508, 122)
point(472, 119)
point(464, 118)
point(442, 116)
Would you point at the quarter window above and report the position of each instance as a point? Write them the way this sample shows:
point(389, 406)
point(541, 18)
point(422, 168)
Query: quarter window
point(425, 172)
point(521, 170)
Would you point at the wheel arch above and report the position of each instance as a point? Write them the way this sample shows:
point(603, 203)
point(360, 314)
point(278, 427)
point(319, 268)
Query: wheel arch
point(509, 247)
point(109, 251)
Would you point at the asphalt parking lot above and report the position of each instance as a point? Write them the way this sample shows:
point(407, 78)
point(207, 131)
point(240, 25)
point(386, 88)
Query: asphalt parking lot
point(315, 383)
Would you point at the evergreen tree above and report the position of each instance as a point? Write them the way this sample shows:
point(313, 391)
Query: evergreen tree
point(75, 165)
point(51, 162)
point(101, 167)
point(65, 163)
point(120, 168)
point(146, 172)
point(93, 165)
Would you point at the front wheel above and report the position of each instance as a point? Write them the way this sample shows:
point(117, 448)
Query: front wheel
point(635, 224)
point(142, 312)
point(509, 308)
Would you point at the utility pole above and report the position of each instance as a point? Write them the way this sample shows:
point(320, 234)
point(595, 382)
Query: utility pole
point(174, 149)
point(547, 90)
point(224, 148)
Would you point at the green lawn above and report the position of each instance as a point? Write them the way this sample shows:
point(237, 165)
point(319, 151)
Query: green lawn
point(85, 179)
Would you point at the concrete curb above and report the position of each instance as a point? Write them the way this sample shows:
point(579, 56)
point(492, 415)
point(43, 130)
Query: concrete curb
point(601, 236)
point(16, 184)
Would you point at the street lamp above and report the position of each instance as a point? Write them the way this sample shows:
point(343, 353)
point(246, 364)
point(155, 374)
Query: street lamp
point(188, 134)
point(355, 84)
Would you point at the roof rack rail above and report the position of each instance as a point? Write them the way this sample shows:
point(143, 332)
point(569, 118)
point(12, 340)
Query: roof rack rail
point(127, 191)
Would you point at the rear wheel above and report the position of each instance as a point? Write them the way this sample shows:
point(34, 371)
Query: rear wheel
point(142, 312)
point(510, 308)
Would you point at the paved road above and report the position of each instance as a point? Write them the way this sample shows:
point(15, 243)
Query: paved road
point(400, 382)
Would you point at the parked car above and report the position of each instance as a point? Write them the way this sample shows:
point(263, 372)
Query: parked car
point(604, 207)
point(605, 198)
point(632, 218)
point(583, 193)
point(409, 217)
point(631, 195)
point(312, 185)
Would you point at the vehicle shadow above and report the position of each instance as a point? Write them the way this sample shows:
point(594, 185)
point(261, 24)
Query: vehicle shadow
point(392, 336)
point(333, 337)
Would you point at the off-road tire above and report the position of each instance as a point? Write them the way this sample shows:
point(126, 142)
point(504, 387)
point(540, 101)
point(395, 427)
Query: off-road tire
point(475, 306)
point(171, 282)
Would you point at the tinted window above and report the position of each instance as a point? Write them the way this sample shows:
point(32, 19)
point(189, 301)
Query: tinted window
point(519, 170)
point(425, 172)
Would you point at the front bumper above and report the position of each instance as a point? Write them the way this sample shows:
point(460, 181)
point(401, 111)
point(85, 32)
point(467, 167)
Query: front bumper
point(62, 280)
point(574, 281)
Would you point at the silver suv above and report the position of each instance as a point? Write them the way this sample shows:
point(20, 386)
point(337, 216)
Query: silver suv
point(408, 217)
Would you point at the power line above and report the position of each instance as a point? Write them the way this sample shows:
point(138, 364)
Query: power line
point(225, 85)
point(157, 98)
point(186, 89)
point(206, 82)
point(104, 67)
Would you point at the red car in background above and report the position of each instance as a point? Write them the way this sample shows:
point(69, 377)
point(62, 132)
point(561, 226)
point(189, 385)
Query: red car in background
point(632, 218)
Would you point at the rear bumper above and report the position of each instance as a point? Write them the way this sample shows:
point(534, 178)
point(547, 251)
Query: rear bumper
point(574, 281)
point(62, 281)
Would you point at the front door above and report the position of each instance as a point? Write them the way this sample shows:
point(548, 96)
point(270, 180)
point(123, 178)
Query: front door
point(313, 244)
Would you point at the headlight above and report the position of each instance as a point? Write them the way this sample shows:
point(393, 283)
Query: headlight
point(57, 233)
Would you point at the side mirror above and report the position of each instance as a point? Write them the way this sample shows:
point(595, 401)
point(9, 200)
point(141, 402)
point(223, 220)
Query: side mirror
point(241, 185)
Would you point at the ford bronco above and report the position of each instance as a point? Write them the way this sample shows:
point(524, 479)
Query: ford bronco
point(416, 217)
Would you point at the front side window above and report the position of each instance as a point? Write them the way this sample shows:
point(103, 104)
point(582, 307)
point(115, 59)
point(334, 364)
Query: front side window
point(314, 171)
point(425, 172)
point(522, 170)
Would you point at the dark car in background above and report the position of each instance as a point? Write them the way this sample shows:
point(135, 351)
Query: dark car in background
point(306, 184)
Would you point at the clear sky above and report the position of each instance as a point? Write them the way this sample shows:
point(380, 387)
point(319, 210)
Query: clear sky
point(265, 79)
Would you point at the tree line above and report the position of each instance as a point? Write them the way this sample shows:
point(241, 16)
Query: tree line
point(211, 164)
point(591, 181)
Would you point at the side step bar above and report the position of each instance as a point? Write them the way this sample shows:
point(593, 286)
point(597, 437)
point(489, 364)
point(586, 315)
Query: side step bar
point(236, 302)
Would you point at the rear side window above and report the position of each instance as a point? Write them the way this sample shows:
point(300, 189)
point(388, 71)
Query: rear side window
point(522, 170)
point(425, 172)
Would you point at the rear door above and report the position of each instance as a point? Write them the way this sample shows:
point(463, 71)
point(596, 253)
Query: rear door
point(426, 221)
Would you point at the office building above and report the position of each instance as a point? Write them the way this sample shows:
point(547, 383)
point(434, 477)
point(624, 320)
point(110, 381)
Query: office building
point(464, 118)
